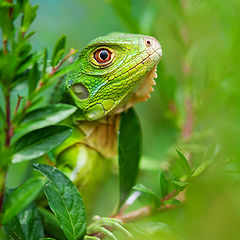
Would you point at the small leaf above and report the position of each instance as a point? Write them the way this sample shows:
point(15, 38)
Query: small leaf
point(21, 197)
point(43, 117)
point(181, 185)
point(45, 55)
point(163, 184)
point(201, 168)
point(33, 79)
point(141, 188)
point(58, 50)
point(185, 164)
point(129, 152)
point(31, 223)
point(39, 142)
point(29, 14)
point(65, 201)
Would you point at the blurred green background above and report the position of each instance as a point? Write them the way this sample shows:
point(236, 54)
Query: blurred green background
point(195, 107)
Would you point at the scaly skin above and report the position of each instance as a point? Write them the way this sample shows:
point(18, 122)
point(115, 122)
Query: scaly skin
point(114, 72)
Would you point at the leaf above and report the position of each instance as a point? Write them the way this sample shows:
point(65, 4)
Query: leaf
point(43, 117)
point(180, 184)
point(39, 142)
point(58, 50)
point(14, 230)
point(33, 79)
point(201, 168)
point(185, 164)
point(65, 201)
point(141, 188)
point(31, 223)
point(29, 14)
point(163, 184)
point(129, 152)
point(45, 55)
point(21, 197)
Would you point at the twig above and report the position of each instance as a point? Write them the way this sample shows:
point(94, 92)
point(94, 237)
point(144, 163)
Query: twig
point(54, 69)
point(8, 120)
point(18, 104)
point(142, 212)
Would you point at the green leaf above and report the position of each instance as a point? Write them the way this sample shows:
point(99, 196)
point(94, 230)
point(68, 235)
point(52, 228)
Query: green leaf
point(45, 55)
point(65, 201)
point(26, 226)
point(163, 184)
point(185, 164)
point(47, 239)
point(141, 188)
point(14, 229)
point(39, 142)
point(33, 79)
point(31, 223)
point(21, 197)
point(181, 185)
point(58, 50)
point(201, 168)
point(129, 152)
point(43, 117)
point(29, 14)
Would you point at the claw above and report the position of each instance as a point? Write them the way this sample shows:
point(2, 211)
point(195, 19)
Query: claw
point(101, 225)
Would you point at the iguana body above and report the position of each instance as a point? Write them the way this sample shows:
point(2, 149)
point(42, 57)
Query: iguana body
point(114, 72)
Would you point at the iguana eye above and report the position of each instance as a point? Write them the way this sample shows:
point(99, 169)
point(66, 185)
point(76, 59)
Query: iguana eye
point(80, 91)
point(103, 56)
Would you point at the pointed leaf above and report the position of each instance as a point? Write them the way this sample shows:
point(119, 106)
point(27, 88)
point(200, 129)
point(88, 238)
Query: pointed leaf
point(33, 79)
point(21, 197)
point(39, 142)
point(163, 184)
point(65, 201)
point(141, 188)
point(43, 117)
point(129, 152)
point(185, 164)
point(31, 223)
point(58, 50)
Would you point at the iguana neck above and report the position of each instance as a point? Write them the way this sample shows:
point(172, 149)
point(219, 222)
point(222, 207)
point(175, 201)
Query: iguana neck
point(101, 135)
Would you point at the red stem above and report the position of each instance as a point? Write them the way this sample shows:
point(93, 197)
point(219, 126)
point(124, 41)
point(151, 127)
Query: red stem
point(18, 104)
point(54, 69)
point(8, 120)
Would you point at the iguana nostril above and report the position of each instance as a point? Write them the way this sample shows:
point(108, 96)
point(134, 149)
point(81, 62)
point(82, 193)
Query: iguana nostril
point(80, 91)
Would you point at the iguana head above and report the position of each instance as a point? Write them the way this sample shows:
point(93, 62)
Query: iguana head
point(113, 73)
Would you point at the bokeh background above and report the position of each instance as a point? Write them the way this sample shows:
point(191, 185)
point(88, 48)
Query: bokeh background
point(195, 107)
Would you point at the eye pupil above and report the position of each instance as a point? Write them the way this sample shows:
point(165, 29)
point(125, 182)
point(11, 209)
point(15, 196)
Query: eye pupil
point(103, 55)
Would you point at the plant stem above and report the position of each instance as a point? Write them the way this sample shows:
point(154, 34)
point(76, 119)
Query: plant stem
point(5, 51)
point(9, 129)
point(54, 69)
point(18, 104)
point(142, 212)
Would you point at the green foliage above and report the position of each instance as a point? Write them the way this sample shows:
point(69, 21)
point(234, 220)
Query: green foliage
point(195, 106)
point(39, 142)
point(65, 201)
point(129, 152)
point(21, 197)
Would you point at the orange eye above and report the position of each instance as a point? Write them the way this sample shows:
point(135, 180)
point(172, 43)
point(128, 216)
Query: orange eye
point(103, 55)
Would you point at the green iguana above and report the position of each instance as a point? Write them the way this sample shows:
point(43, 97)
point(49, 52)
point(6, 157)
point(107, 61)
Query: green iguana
point(113, 73)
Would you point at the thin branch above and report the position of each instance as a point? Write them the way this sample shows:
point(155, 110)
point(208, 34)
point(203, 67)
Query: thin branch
point(143, 212)
point(18, 104)
point(54, 69)
point(5, 51)
point(8, 120)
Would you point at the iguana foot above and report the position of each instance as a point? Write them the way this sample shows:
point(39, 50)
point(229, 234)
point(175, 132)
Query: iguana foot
point(101, 226)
